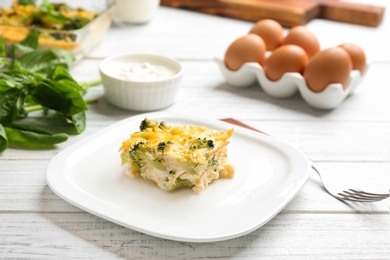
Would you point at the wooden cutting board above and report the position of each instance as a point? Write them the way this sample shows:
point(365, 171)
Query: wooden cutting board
point(289, 13)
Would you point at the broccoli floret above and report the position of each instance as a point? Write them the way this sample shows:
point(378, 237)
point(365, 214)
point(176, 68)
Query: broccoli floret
point(210, 144)
point(161, 146)
point(162, 125)
point(146, 124)
point(180, 184)
point(142, 156)
point(201, 143)
point(135, 153)
point(153, 125)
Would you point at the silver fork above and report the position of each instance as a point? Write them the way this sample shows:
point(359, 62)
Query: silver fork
point(342, 191)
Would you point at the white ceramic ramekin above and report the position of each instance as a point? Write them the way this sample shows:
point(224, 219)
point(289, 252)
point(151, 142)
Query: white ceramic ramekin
point(140, 95)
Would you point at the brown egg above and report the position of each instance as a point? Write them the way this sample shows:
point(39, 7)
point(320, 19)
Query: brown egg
point(287, 58)
point(333, 65)
point(248, 48)
point(357, 55)
point(302, 37)
point(270, 31)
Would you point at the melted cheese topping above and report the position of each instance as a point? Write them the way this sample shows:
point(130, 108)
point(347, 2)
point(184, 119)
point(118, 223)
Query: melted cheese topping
point(177, 156)
point(18, 34)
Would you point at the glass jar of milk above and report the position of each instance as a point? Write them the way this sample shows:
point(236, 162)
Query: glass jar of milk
point(135, 11)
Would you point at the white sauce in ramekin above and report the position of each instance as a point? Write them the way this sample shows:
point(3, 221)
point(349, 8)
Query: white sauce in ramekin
point(144, 71)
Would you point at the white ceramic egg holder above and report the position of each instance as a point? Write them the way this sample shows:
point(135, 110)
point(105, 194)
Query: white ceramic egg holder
point(291, 82)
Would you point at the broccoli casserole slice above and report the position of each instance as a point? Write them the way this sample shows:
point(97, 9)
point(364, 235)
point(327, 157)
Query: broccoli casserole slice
point(177, 156)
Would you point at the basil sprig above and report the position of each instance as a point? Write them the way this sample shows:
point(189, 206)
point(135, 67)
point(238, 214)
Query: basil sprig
point(34, 79)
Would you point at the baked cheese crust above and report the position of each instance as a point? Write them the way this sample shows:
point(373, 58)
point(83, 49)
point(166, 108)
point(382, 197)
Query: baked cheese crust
point(177, 156)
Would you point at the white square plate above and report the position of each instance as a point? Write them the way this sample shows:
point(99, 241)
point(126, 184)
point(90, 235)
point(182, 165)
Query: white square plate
point(269, 173)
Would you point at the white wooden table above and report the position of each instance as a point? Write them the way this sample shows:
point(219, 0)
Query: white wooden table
point(352, 140)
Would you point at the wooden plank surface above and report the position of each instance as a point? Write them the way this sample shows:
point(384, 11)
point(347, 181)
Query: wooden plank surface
point(288, 13)
point(351, 141)
point(84, 236)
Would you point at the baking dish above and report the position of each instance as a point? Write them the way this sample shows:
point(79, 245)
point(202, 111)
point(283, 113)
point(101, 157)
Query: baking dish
point(78, 41)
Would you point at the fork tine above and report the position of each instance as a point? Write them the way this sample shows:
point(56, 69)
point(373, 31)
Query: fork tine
point(351, 194)
point(356, 197)
point(372, 194)
point(364, 195)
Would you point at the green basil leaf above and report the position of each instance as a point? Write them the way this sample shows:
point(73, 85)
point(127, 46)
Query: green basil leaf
point(50, 13)
point(11, 104)
point(32, 137)
point(32, 39)
point(19, 78)
point(56, 18)
point(77, 120)
point(5, 85)
point(29, 44)
point(27, 2)
point(60, 74)
point(37, 79)
point(44, 61)
point(3, 55)
point(20, 49)
point(3, 62)
point(31, 128)
point(29, 101)
point(2, 48)
point(59, 97)
point(3, 139)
